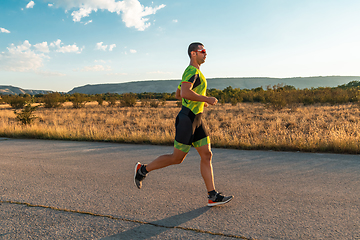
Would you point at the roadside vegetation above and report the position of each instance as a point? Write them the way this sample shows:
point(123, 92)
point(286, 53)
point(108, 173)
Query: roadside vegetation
point(278, 118)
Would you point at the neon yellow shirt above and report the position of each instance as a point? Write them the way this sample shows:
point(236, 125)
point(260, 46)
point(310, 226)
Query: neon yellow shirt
point(199, 85)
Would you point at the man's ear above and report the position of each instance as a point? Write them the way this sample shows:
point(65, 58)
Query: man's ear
point(193, 53)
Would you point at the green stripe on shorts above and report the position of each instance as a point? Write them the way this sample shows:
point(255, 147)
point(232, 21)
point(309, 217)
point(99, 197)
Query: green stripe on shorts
point(182, 147)
point(202, 142)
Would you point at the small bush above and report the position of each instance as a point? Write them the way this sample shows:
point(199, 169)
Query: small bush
point(78, 100)
point(52, 100)
point(234, 101)
point(5, 99)
point(26, 115)
point(17, 102)
point(100, 99)
point(276, 102)
point(154, 103)
point(112, 101)
point(222, 100)
point(128, 100)
point(163, 101)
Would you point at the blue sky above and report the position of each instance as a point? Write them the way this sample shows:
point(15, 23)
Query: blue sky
point(61, 44)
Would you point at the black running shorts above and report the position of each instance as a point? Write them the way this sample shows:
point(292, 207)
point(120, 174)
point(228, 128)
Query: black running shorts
point(189, 130)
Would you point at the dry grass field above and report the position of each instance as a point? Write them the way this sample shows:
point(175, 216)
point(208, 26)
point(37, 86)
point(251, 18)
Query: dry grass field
point(245, 126)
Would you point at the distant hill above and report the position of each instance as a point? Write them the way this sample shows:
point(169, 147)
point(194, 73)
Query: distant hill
point(169, 86)
point(15, 90)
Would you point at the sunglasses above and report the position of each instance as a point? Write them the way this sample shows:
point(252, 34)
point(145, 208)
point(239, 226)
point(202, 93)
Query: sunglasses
point(201, 51)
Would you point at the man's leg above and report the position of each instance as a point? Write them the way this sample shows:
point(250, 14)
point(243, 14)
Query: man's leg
point(176, 157)
point(141, 170)
point(206, 166)
point(206, 169)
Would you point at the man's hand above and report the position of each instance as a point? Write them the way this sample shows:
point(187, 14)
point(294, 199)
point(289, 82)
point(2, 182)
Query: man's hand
point(212, 100)
point(177, 94)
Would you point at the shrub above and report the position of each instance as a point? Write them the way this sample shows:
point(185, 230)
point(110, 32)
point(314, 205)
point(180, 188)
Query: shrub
point(26, 115)
point(112, 101)
point(2, 99)
point(100, 99)
point(259, 98)
point(234, 101)
point(128, 100)
point(222, 100)
point(17, 102)
point(277, 103)
point(78, 100)
point(154, 103)
point(52, 100)
point(163, 101)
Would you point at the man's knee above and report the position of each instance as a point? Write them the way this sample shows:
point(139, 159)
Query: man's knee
point(207, 155)
point(177, 160)
point(178, 157)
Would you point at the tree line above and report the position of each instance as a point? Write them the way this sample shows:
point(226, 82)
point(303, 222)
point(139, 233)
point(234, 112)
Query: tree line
point(277, 96)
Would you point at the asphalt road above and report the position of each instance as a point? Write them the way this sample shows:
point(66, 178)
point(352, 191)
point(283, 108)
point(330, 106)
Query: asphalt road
point(85, 190)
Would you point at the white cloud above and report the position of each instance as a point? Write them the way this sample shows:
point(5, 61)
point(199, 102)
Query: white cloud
point(50, 4)
point(3, 30)
point(56, 43)
point(132, 12)
point(65, 49)
point(30, 4)
point(175, 20)
point(21, 58)
point(82, 12)
point(42, 47)
point(90, 21)
point(95, 68)
point(111, 47)
point(133, 51)
point(26, 57)
point(68, 48)
point(100, 46)
point(23, 47)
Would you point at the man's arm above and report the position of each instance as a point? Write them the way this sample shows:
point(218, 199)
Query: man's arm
point(187, 93)
point(177, 94)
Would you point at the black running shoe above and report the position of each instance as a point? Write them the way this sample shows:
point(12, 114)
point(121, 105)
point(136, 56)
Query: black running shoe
point(138, 177)
point(218, 199)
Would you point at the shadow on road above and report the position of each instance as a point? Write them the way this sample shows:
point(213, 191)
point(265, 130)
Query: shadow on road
point(151, 229)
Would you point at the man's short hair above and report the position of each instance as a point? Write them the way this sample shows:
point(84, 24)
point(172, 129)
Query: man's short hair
point(193, 47)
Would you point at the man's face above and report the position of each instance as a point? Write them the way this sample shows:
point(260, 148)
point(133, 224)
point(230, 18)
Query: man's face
point(201, 55)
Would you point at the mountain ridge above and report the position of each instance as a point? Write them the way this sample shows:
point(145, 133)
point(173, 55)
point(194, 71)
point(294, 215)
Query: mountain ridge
point(169, 86)
point(8, 89)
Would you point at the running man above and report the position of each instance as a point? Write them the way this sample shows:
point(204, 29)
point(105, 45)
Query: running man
point(189, 127)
